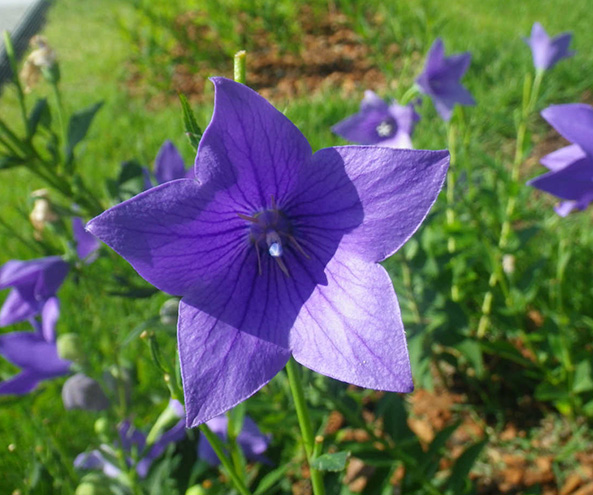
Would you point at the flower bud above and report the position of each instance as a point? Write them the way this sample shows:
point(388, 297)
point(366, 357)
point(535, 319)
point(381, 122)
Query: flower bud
point(70, 348)
point(42, 60)
point(168, 311)
point(82, 392)
point(101, 427)
point(42, 212)
point(93, 484)
point(508, 264)
point(195, 490)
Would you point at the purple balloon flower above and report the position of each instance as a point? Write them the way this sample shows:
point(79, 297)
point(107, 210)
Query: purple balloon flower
point(379, 123)
point(251, 440)
point(547, 51)
point(33, 282)
point(441, 79)
point(571, 168)
point(34, 352)
point(131, 440)
point(275, 251)
point(168, 166)
point(86, 244)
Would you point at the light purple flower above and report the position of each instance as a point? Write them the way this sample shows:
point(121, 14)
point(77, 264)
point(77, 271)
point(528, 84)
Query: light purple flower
point(86, 244)
point(82, 392)
point(379, 123)
point(547, 51)
point(275, 251)
point(131, 440)
point(251, 440)
point(33, 282)
point(34, 352)
point(441, 79)
point(168, 166)
point(571, 168)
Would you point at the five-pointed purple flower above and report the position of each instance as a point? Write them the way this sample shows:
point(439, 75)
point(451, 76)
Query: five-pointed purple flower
point(441, 79)
point(34, 352)
point(33, 282)
point(168, 166)
point(275, 251)
point(251, 440)
point(379, 123)
point(132, 441)
point(571, 168)
point(547, 51)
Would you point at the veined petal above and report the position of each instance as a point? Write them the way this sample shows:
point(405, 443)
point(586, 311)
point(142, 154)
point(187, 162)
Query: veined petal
point(16, 308)
point(351, 329)
point(574, 121)
point(175, 235)
point(249, 148)
point(394, 190)
point(573, 182)
point(168, 164)
point(16, 272)
point(220, 365)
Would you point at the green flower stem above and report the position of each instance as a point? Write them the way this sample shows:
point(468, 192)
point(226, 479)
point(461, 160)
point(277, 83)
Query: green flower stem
point(9, 47)
point(407, 280)
point(530, 94)
point(450, 195)
point(61, 121)
point(240, 66)
point(298, 395)
point(408, 95)
point(218, 448)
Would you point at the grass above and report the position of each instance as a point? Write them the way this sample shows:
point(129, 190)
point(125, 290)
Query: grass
point(95, 53)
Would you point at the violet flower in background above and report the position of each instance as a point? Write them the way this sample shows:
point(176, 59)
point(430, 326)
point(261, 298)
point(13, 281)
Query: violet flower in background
point(441, 78)
point(275, 251)
point(571, 168)
point(33, 282)
point(547, 51)
point(251, 440)
point(34, 352)
point(379, 123)
point(168, 166)
point(105, 458)
point(82, 392)
point(86, 244)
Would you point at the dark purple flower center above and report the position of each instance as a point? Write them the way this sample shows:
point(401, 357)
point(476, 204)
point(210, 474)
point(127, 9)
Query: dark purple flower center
point(270, 230)
point(386, 128)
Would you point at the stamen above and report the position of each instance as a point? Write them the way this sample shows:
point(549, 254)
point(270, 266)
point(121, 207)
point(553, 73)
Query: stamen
point(282, 266)
point(275, 249)
point(248, 218)
point(384, 129)
point(258, 259)
point(298, 246)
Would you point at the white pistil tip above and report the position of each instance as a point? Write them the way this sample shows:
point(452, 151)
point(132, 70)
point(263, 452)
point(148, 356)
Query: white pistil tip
point(275, 249)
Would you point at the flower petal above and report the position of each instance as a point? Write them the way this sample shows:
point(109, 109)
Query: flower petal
point(249, 147)
point(220, 365)
point(20, 384)
point(395, 190)
point(351, 329)
point(49, 316)
point(175, 235)
point(168, 164)
point(86, 243)
point(563, 157)
point(16, 308)
point(574, 182)
point(28, 350)
point(574, 121)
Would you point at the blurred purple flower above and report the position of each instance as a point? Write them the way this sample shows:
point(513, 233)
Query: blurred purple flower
point(131, 441)
point(275, 251)
point(379, 123)
point(571, 168)
point(441, 79)
point(82, 392)
point(547, 51)
point(34, 352)
point(251, 440)
point(86, 244)
point(168, 166)
point(33, 282)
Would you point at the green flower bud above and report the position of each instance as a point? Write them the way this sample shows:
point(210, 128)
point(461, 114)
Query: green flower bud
point(93, 484)
point(70, 348)
point(196, 490)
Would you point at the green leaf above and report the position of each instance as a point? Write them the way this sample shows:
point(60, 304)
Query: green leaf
point(462, 467)
point(473, 353)
point(270, 479)
point(192, 129)
point(39, 115)
point(582, 377)
point(7, 162)
point(330, 462)
point(78, 127)
point(432, 457)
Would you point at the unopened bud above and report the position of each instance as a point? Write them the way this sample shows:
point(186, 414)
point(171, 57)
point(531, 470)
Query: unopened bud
point(42, 212)
point(101, 427)
point(93, 484)
point(195, 490)
point(508, 264)
point(70, 348)
point(82, 392)
point(168, 311)
point(42, 60)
